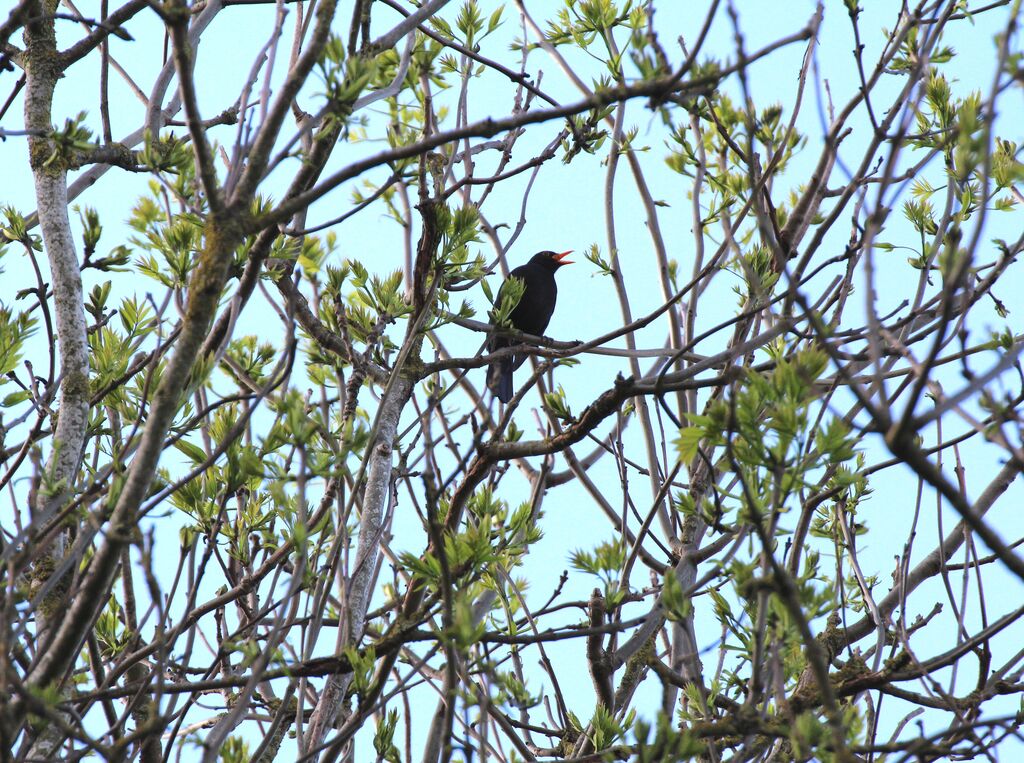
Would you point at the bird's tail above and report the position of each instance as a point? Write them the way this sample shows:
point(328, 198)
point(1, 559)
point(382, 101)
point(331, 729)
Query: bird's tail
point(499, 379)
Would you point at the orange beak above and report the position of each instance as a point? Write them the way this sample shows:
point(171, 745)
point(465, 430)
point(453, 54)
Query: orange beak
point(560, 258)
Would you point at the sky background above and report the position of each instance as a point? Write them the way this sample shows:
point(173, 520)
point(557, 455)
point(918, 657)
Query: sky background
point(565, 210)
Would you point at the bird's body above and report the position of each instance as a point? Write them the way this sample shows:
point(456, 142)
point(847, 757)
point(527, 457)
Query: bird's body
point(531, 315)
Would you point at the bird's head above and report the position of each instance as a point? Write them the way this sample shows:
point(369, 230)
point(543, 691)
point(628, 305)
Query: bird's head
point(552, 260)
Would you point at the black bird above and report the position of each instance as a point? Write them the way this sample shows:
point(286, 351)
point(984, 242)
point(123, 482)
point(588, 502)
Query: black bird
point(530, 316)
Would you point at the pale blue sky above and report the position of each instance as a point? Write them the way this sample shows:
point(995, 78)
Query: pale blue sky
point(566, 211)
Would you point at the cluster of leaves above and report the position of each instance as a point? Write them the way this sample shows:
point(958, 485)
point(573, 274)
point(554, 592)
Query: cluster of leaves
point(606, 563)
point(492, 541)
point(15, 331)
point(769, 434)
point(471, 27)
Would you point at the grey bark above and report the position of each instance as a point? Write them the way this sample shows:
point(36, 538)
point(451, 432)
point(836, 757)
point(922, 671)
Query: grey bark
point(371, 522)
point(42, 70)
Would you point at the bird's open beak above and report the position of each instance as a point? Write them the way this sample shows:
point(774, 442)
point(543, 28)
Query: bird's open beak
point(560, 258)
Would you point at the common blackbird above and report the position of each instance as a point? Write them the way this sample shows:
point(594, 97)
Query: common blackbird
point(530, 316)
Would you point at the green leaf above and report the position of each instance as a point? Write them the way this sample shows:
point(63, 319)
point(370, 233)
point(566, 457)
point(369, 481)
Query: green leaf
point(688, 442)
point(193, 452)
point(675, 603)
point(16, 397)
